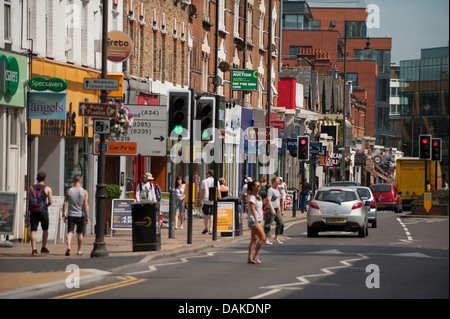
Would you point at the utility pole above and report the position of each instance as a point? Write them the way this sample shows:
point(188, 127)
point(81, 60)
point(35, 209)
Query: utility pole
point(100, 196)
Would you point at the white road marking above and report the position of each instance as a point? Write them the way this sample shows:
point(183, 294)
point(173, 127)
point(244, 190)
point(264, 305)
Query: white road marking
point(408, 234)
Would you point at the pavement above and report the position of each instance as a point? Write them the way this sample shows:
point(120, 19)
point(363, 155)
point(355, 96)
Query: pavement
point(25, 284)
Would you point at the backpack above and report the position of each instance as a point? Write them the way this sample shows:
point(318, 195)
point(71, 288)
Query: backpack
point(158, 193)
point(37, 204)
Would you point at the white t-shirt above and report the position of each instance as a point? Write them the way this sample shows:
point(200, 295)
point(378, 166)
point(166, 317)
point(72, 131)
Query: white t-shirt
point(206, 184)
point(258, 208)
point(145, 191)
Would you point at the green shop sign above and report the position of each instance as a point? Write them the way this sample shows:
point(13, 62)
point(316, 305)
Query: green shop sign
point(40, 83)
point(13, 73)
point(244, 80)
point(10, 79)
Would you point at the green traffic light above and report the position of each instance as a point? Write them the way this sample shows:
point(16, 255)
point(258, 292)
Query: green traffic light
point(205, 134)
point(178, 129)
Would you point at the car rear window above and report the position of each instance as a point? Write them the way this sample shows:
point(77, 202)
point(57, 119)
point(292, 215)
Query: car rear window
point(381, 188)
point(336, 196)
point(364, 193)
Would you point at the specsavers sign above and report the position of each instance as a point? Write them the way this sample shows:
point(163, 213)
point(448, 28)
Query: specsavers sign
point(13, 72)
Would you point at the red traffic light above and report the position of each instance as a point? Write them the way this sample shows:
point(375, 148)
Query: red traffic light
point(303, 142)
point(435, 144)
point(425, 141)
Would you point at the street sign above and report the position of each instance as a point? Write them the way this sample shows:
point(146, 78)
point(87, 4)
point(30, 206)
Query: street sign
point(148, 134)
point(263, 133)
point(328, 162)
point(278, 124)
point(97, 109)
point(292, 144)
point(244, 80)
point(102, 126)
point(101, 84)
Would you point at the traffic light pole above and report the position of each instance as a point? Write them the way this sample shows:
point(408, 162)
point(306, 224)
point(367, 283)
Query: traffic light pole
point(191, 169)
point(99, 249)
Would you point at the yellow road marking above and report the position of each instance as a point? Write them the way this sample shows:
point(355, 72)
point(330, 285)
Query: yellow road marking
point(127, 281)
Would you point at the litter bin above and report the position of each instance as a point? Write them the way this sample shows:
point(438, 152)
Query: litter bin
point(146, 226)
point(237, 215)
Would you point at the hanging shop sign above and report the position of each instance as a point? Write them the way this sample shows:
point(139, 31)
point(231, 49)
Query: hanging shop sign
point(120, 46)
point(41, 83)
point(47, 105)
point(13, 72)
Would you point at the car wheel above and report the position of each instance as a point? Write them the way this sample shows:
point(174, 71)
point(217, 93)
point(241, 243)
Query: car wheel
point(374, 224)
point(362, 232)
point(311, 232)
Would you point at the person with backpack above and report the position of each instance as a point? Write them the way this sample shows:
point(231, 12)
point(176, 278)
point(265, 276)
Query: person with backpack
point(39, 199)
point(146, 189)
point(76, 201)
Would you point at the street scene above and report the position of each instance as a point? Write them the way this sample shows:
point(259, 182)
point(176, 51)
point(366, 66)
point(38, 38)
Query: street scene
point(225, 156)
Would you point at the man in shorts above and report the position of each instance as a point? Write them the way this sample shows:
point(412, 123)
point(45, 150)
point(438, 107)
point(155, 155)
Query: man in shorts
point(205, 203)
point(76, 201)
point(40, 217)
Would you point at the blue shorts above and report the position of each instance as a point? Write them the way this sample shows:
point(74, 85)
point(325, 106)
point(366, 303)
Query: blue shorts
point(252, 222)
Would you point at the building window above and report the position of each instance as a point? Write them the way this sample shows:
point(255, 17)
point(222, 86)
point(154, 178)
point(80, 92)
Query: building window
point(7, 20)
point(356, 29)
point(354, 78)
point(394, 92)
point(294, 50)
point(395, 109)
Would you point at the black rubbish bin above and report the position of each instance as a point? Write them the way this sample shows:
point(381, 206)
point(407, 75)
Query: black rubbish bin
point(146, 226)
point(294, 192)
point(237, 215)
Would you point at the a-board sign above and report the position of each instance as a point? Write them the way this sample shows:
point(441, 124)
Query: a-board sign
point(121, 217)
point(225, 217)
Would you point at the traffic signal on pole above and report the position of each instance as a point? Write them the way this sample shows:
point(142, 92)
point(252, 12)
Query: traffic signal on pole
point(303, 148)
point(205, 111)
point(178, 114)
point(436, 149)
point(425, 147)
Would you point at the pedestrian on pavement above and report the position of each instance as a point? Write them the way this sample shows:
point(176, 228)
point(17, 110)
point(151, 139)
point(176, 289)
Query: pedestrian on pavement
point(255, 217)
point(145, 189)
point(244, 194)
point(305, 192)
point(273, 211)
point(40, 198)
point(207, 200)
point(283, 192)
point(224, 190)
point(76, 202)
point(180, 202)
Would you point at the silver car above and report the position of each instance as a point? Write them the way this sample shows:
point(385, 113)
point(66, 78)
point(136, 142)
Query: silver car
point(337, 209)
point(367, 196)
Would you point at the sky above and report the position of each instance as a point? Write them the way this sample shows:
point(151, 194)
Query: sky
point(412, 24)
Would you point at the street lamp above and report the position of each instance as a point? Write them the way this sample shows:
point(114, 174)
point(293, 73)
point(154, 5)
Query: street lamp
point(368, 51)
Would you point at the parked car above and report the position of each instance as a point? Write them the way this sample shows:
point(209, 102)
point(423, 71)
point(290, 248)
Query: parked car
point(387, 197)
point(337, 209)
point(367, 196)
point(343, 183)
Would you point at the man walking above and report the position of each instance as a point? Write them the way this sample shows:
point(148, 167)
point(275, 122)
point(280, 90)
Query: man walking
point(40, 197)
point(207, 201)
point(76, 200)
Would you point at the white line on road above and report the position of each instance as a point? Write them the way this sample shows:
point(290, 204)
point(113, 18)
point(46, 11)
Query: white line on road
point(408, 234)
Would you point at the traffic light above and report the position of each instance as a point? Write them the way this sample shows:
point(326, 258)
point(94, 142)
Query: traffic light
point(436, 149)
point(178, 114)
point(303, 148)
point(425, 147)
point(205, 110)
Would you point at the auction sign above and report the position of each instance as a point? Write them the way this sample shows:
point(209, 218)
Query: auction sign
point(244, 80)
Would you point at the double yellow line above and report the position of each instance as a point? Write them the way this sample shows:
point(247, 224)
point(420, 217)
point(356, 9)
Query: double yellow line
point(126, 281)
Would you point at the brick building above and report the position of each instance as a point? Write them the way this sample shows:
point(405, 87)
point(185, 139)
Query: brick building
point(323, 28)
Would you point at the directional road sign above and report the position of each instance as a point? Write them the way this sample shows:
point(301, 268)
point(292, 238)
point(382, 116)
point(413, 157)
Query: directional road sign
point(97, 109)
point(148, 134)
point(101, 84)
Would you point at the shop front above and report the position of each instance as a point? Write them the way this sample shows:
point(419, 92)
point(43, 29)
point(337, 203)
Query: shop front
point(13, 74)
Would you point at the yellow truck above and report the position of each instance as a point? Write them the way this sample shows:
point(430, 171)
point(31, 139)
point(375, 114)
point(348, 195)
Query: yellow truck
point(410, 178)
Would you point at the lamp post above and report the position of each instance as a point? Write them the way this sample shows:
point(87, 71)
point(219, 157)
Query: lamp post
point(367, 50)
